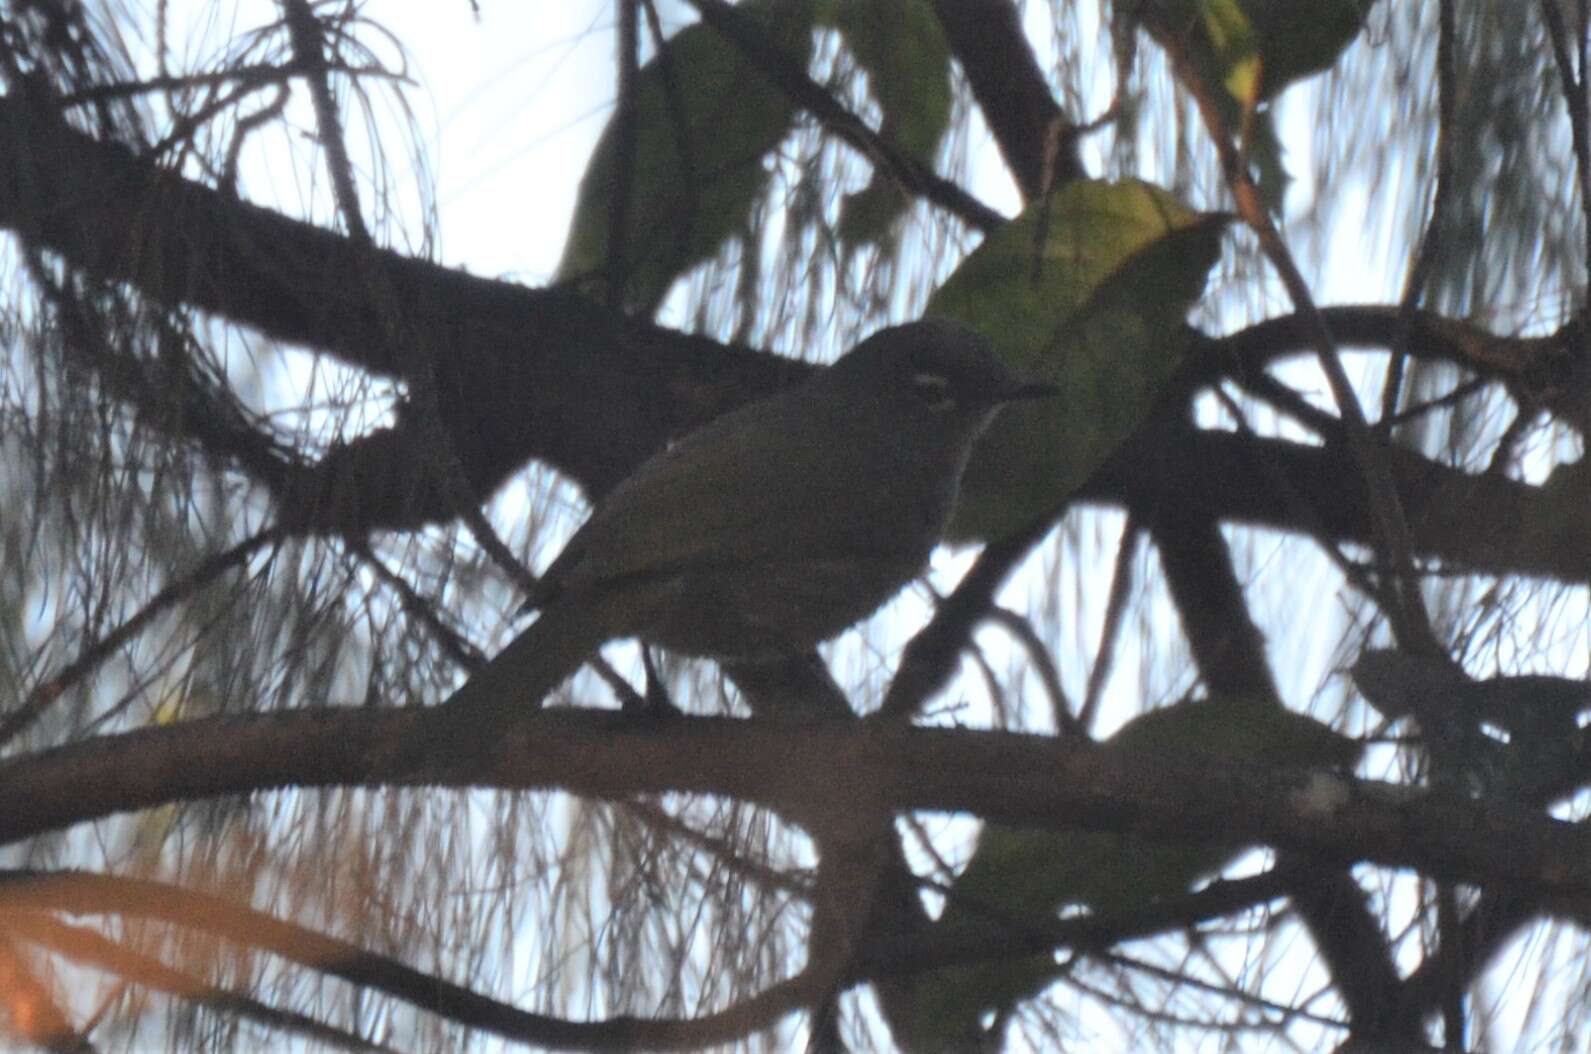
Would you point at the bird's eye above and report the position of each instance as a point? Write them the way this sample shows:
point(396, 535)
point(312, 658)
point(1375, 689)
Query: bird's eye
point(934, 390)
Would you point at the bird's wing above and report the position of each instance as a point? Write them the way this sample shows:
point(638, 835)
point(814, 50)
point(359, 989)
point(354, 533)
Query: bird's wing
point(741, 489)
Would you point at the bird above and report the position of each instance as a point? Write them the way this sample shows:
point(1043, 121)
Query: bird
point(773, 527)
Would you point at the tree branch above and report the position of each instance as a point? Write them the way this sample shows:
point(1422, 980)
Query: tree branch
point(1476, 523)
point(910, 173)
point(551, 375)
point(987, 38)
point(807, 771)
point(528, 373)
point(90, 948)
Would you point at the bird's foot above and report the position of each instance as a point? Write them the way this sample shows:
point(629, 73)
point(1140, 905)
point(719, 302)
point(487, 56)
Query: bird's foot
point(655, 701)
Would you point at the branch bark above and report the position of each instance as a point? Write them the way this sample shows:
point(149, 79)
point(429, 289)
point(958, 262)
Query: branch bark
point(551, 375)
point(807, 772)
point(987, 38)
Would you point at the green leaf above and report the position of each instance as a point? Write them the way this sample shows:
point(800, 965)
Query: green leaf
point(900, 45)
point(1119, 266)
point(1255, 49)
point(1235, 47)
point(706, 118)
point(1259, 47)
point(1299, 38)
point(1015, 875)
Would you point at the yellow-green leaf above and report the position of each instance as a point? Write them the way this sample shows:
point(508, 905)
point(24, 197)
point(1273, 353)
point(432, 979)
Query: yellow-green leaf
point(1119, 265)
point(706, 118)
point(1016, 875)
point(901, 46)
point(1285, 39)
point(1299, 38)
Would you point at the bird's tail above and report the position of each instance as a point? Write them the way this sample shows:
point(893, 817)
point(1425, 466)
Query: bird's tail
point(535, 663)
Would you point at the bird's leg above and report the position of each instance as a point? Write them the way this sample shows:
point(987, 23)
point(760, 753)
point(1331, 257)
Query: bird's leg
point(655, 702)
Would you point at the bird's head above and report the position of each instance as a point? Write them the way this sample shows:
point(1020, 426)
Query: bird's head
point(934, 369)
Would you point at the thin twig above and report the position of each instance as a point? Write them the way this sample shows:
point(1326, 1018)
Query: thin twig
point(304, 30)
point(1022, 629)
point(47, 692)
point(1115, 615)
point(1459, 393)
point(1401, 598)
point(1573, 84)
point(624, 122)
point(92, 948)
point(1431, 243)
point(1288, 401)
point(722, 851)
point(458, 647)
point(257, 74)
point(930, 657)
point(803, 90)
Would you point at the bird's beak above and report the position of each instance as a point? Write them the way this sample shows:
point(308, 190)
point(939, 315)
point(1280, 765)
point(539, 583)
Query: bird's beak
point(1023, 388)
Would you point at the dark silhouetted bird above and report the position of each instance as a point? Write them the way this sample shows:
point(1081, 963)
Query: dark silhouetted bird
point(776, 526)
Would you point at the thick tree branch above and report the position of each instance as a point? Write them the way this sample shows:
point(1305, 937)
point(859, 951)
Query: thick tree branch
point(1226, 645)
point(987, 38)
point(945, 946)
point(551, 375)
point(1230, 652)
point(808, 772)
point(1476, 523)
point(527, 374)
